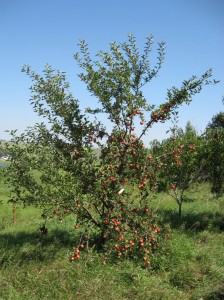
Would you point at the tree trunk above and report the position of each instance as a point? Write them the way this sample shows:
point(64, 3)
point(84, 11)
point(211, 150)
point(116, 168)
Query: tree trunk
point(14, 214)
point(180, 211)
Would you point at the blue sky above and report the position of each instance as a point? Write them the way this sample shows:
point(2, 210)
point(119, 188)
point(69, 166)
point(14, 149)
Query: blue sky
point(47, 31)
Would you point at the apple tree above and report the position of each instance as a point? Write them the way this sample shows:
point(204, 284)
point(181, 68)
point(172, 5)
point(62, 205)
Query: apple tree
point(213, 156)
point(181, 162)
point(54, 165)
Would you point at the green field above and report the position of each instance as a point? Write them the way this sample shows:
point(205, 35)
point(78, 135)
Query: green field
point(37, 267)
point(2, 161)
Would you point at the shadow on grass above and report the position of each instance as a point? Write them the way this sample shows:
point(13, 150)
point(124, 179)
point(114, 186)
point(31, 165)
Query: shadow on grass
point(23, 247)
point(195, 221)
point(217, 295)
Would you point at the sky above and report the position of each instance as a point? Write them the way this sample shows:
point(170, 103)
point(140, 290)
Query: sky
point(47, 31)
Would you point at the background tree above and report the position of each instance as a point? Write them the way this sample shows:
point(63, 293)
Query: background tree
point(180, 162)
point(213, 156)
point(217, 121)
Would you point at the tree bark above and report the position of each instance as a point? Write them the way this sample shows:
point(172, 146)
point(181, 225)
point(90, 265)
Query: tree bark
point(14, 214)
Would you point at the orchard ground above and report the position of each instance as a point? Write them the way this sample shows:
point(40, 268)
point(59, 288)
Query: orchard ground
point(35, 266)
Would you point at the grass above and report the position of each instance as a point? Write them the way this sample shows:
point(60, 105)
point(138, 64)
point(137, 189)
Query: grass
point(37, 267)
point(3, 161)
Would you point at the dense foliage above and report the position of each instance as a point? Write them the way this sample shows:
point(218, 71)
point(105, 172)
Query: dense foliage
point(217, 121)
point(214, 157)
point(181, 162)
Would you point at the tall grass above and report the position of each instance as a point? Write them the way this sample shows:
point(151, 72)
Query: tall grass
point(36, 266)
